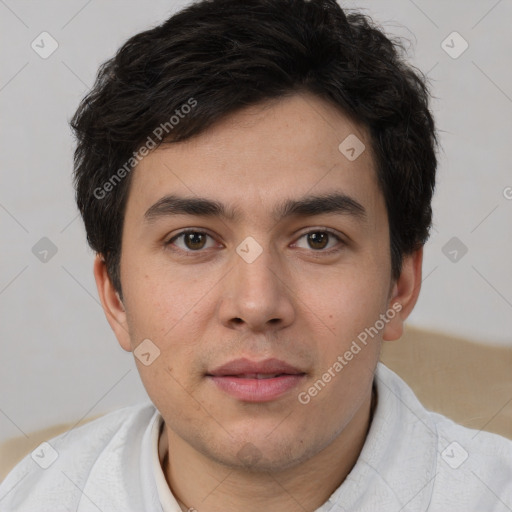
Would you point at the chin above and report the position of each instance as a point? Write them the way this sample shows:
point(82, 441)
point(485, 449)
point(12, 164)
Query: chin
point(261, 455)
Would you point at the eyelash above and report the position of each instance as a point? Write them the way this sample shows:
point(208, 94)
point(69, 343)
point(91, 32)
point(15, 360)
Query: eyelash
point(168, 243)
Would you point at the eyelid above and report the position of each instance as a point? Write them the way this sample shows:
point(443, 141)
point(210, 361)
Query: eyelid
point(321, 229)
point(186, 231)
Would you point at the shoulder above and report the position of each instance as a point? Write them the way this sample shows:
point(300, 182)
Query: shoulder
point(461, 468)
point(55, 473)
point(474, 468)
point(485, 446)
point(459, 445)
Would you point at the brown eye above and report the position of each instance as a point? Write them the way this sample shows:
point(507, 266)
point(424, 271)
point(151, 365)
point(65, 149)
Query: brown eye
point(192, 241)
point(318, 239)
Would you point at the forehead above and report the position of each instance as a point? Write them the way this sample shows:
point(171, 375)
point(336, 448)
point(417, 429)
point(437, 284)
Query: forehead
point(293, 147)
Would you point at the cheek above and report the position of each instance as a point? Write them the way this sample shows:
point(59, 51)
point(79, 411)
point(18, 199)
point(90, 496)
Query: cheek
point(169, 390)
point(168, 313)
point(345, 302)
point(162, 301)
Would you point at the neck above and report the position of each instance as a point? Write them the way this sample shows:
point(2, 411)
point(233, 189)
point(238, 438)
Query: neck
point(199, 483)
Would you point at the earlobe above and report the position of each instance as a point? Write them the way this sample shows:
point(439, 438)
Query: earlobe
point(404, 295)
point(113, 306)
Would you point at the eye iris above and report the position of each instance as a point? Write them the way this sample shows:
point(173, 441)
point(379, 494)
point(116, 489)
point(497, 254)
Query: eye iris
point(317, 238)
point(191, 240)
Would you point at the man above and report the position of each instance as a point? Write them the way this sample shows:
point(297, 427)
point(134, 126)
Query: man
point(256, 180)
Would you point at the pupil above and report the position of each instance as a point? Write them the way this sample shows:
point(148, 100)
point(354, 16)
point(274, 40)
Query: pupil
point(314, 239)
point(192, 240)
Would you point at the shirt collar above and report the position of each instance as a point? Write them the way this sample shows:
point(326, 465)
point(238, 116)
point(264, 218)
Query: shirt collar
point(167, 500)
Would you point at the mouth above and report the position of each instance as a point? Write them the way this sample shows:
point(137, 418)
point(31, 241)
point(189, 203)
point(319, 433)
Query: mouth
point(257, 375)
point(252, 381)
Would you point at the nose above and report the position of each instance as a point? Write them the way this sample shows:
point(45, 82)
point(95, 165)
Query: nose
point(257, 295)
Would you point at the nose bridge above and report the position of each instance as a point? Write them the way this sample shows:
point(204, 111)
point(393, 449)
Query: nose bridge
point(254, 291)
point(256, 268)
point(257, 262)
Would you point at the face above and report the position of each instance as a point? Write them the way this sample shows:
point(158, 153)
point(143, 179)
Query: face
point(250, 311)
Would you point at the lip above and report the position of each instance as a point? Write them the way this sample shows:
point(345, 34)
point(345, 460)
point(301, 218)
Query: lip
point(249, 381)
point(244, 366)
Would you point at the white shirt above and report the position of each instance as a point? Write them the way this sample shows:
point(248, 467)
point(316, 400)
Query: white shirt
point(413, 460)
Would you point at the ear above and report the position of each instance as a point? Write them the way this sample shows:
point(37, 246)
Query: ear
point(112, 305)
point(404, 294)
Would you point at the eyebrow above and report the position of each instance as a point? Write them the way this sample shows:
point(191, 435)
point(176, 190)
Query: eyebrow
point(337, 203)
